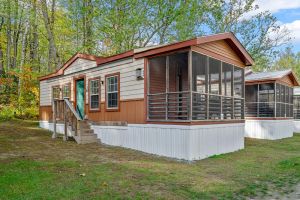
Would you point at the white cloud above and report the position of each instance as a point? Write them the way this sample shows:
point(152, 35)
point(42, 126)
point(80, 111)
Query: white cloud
point(274, 6)
point(294, 27)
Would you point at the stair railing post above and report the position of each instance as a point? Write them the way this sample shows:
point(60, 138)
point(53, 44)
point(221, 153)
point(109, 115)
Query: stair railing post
point(65, 121)
point(54, 135)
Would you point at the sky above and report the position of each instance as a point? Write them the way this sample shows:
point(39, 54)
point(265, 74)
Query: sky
point(288, 14)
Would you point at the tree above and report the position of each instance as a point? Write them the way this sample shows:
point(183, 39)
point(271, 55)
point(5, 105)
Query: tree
point(260, 33)
point(287, 59)
point(53, 58)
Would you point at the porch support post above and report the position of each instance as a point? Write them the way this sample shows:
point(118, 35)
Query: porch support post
point(65, 121)
point(275, 96)
point(54, 135)
point(167, 87)
point(190, 77)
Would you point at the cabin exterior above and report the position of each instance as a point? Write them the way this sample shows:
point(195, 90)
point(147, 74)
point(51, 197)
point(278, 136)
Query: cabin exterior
point(297, 110)
point(183, 100)
point(269, 104)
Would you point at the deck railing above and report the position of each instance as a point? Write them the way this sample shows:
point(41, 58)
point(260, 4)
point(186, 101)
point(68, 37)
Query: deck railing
point(187, 106)
point(63, 110)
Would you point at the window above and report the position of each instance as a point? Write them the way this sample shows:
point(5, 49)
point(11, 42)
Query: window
point(55, 92)
point(67, 91)
point(94, 92)
point(112, 91)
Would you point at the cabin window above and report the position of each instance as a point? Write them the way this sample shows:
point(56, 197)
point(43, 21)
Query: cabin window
point(67, 91)
point(94, 92)
point(112, 91)
point(56, 92)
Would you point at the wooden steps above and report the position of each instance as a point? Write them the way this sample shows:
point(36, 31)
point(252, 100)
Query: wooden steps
point(85, 134)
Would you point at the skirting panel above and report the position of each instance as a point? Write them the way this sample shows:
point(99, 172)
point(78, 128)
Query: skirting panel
point(269, 129)
point(175, 141)
point(60, 128)
point(296, 126)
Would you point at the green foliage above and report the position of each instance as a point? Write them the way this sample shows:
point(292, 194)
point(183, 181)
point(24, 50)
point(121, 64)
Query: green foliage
point(6, 113)
point(287, 59)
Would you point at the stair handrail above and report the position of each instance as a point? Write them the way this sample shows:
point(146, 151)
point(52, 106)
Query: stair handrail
point(70, 106)
point(73, 113)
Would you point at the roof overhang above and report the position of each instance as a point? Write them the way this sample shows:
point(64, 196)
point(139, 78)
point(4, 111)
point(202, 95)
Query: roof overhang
point(229, 37)
point(69, 62)
point(290, 74)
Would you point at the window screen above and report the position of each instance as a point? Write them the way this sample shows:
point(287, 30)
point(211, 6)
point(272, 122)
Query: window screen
point(95, 94)
point(67, 91)
point(112, 91)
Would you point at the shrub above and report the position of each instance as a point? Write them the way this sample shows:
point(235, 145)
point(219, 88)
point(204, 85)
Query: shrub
point(7, 113)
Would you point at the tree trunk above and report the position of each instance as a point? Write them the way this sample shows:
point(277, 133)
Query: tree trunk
point(1, 50)
point(8, 35)
point(87, 25)
point(53, 57)
point(34, 39)
point(22, 62)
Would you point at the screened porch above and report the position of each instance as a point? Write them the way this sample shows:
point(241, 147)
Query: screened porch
point(189, 86)
point(269, 100)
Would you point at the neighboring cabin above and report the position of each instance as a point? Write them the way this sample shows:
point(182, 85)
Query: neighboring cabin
point(269, 104)
point(183, 100)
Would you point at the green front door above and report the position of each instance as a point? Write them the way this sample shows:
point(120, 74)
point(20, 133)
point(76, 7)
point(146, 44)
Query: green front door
point(80, 97)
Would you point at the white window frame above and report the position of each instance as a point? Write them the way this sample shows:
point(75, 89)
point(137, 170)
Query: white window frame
point(111, 92)
point(91, 94)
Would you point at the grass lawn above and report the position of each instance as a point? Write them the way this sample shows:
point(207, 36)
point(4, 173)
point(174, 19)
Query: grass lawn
point(33, 166)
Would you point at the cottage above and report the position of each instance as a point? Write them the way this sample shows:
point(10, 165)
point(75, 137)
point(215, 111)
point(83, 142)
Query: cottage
point(183, 100)
point(297, 110)
point(269, 104)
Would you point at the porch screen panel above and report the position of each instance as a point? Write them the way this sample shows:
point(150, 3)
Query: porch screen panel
point(278, 105)
point(238, 92)
point(297, 107)
point(157, 88)
point(251, 99)
point(214, 89)
point(284, 98)
point(177, 96)
point(227, 82)
point(266, 100)
point(199, 85)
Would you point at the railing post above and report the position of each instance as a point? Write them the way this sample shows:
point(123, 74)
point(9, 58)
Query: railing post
point(167, 105)
point(54, 135)
point(65, 121)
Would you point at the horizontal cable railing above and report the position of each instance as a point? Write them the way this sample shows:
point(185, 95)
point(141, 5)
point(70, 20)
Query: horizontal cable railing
point(188, 105)
point(169, 106)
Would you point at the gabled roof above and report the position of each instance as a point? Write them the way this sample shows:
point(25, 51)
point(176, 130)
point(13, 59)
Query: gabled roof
point(69, 62)
point(272, 76)
point(229, 37)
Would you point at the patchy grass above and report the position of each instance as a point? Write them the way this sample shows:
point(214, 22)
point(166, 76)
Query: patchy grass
point(33, 166)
